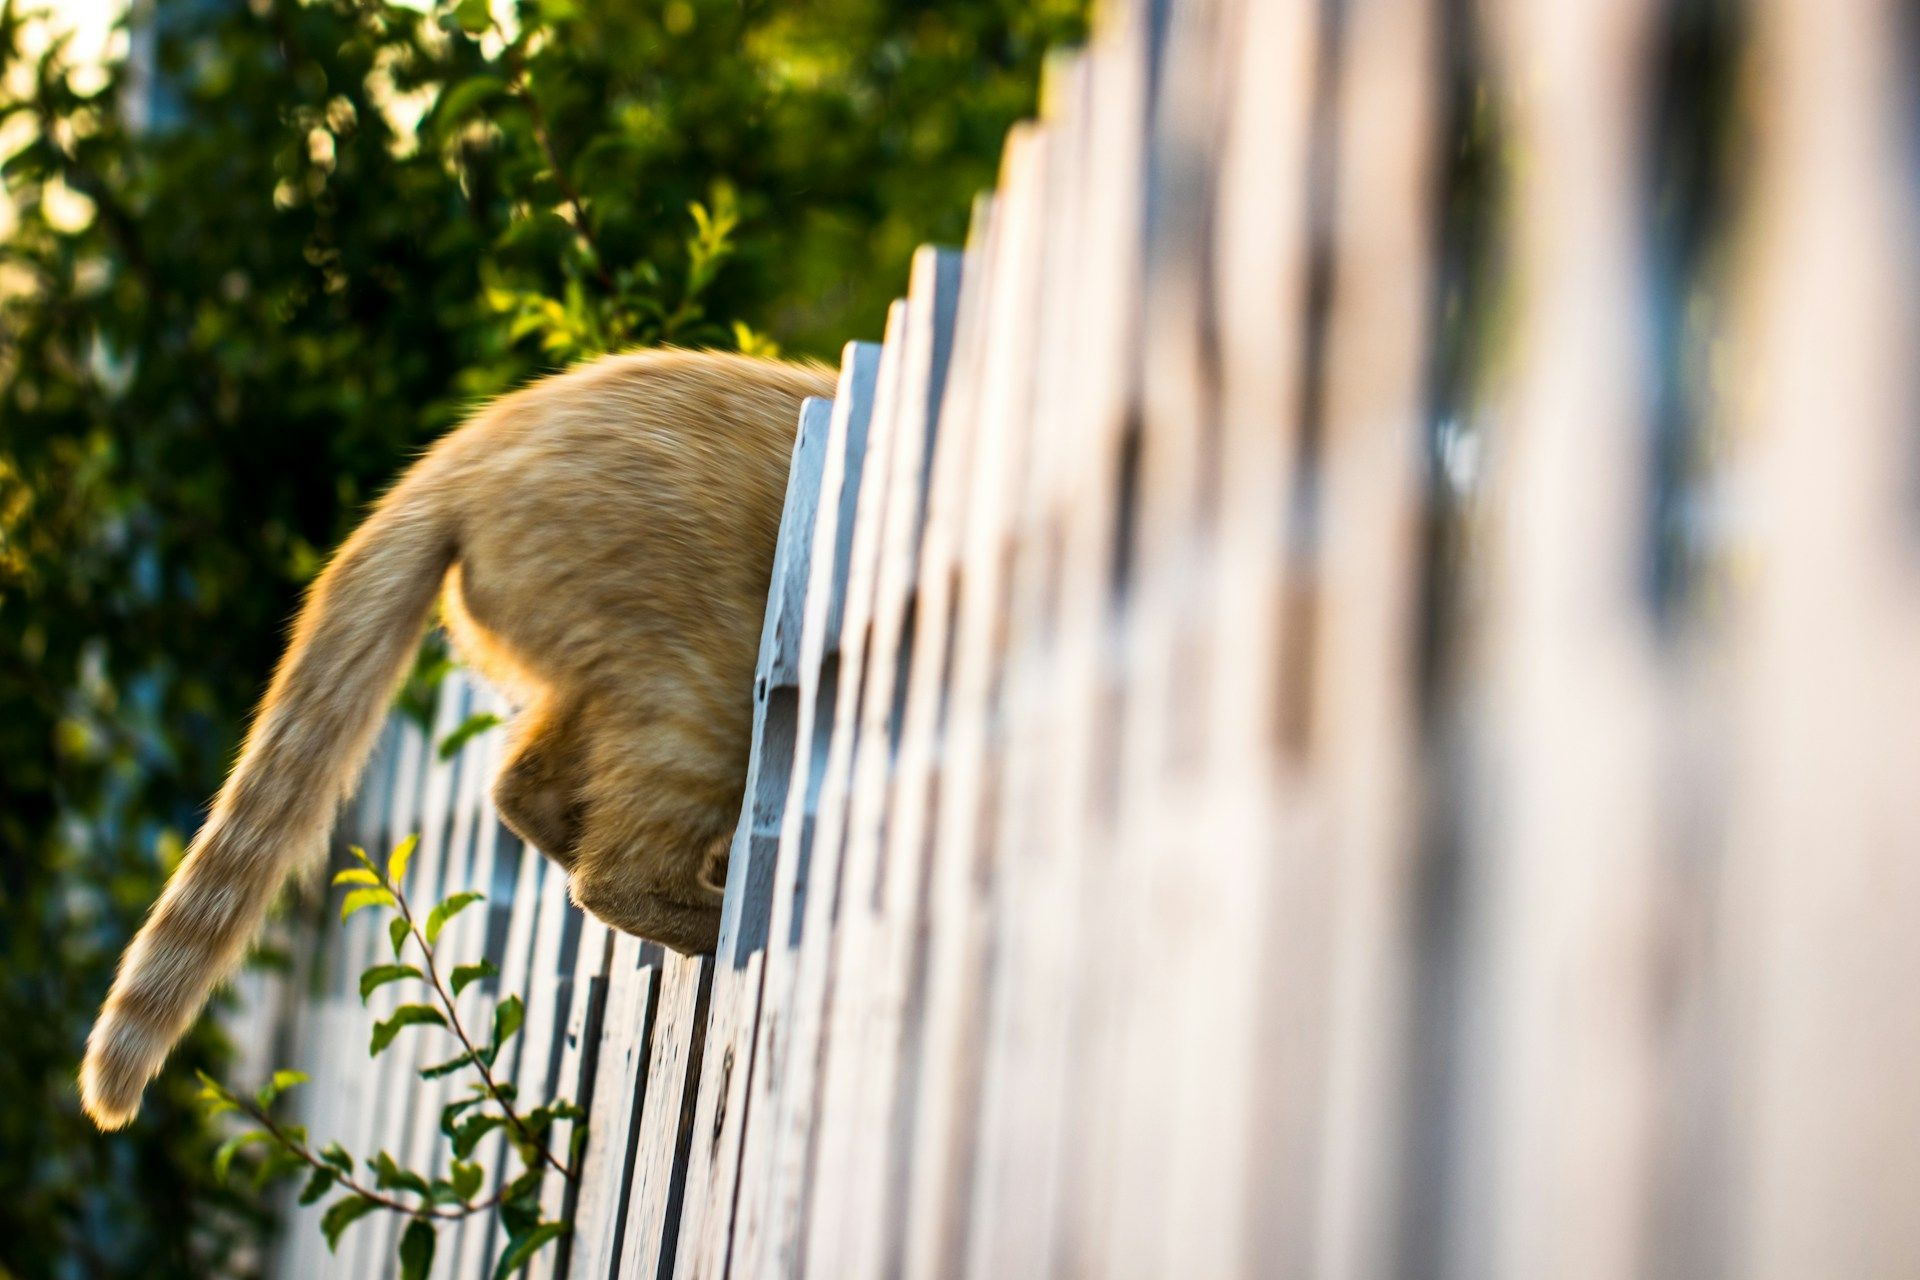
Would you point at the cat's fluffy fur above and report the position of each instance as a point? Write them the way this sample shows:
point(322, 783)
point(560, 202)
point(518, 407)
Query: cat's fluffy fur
point(604, 538)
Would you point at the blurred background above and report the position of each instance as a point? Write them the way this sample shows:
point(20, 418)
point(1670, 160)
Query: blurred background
point(254, 254)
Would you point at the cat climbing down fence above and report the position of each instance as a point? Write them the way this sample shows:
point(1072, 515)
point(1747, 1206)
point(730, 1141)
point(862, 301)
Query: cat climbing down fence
point(604, 540)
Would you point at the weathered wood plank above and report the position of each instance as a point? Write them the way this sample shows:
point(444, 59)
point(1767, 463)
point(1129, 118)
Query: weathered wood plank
point(1564, 831)
point(740, 957)
point(792, 1179)
point(942, 1146)
point(606, 1173)
point(1365, 731)
point(666, 1119)
point(1820, 873)
point(1094, 506)
point(840, 486)
point(585, 993)
point(857, 1087)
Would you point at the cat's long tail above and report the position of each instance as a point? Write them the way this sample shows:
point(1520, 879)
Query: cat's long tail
point(355, 636)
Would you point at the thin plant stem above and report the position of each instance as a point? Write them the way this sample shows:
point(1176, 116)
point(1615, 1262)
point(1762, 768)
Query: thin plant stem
point(300, 1149)
point(454, 1024)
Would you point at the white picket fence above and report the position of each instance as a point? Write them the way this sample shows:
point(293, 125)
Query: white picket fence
point(1130, 882)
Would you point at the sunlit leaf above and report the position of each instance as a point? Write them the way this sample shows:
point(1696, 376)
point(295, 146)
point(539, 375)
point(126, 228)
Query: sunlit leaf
point(365, 898)
point(467, 1178)
point(281, 1082)
point(474, 16)
point(402, 855)
point(437, 920)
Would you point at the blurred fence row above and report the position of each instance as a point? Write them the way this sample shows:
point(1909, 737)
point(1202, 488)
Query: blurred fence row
point(1222, 804)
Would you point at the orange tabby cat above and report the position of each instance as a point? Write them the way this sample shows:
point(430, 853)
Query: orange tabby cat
point(604, 538)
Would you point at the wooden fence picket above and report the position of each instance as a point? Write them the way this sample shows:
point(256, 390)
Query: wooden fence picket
point(741, 955)
point(856, 1098)
point(795, 882)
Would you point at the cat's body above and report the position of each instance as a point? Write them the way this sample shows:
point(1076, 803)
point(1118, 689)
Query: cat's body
point(605, 539)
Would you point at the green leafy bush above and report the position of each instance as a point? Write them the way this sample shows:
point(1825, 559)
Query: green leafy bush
point(427, 1202)
point(222, 332)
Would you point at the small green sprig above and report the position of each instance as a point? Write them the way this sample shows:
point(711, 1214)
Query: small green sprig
point(490, 1103)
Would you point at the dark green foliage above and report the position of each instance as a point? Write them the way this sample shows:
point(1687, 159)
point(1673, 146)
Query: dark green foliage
point(270, 300)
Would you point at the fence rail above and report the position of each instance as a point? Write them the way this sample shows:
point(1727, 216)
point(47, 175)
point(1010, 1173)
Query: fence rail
point(1223, 802)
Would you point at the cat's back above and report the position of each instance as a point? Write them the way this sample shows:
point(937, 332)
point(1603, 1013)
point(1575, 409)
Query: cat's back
point(643, 490)
point(664, 435)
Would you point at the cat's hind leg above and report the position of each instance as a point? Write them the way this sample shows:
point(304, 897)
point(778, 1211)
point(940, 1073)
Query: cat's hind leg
point(654, 829)
point(540, 793)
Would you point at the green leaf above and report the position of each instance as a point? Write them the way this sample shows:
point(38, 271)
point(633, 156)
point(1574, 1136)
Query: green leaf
point(457, 102)
point(416, 1250)
point(467, 974)
point(466, 1178)
point(448, 910)
point(421, 691)
point(520, 1206)
point(402, 855)
point(520, 1249)
point(356, 875)
point(318, 1185)
point(446, 1068)
point(341, 1214)
point(365, 898)
point(279, 1163)
point(451, 1112)
point(334, 1154)
point(381, 974)
point(361, 855)
point(468, 1132)
point(281, 1082)
point(474, 16)
point(506, 1020)
point(398, 931)
point(223, 1158)
point(389, 1176)
point(214, 1096)
point(407, 1015)
point(472, 727)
